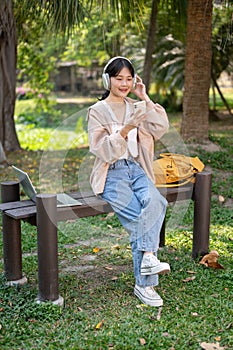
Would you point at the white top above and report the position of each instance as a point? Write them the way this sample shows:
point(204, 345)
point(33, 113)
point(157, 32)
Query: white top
point(132, 148)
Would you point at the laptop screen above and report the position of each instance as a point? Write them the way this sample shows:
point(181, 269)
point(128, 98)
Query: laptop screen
point(25, 182)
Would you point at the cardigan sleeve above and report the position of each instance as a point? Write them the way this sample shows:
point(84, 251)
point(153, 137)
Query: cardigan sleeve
point(103, 143)
point(156, 121)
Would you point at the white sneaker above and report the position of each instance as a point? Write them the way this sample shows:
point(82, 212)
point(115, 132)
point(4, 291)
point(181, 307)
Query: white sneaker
point(151, 265)
point(148, 296)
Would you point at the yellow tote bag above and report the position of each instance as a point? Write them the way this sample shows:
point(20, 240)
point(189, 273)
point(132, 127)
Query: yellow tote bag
point(172, 170)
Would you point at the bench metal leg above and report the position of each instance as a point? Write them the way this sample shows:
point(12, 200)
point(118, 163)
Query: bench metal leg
point(11, 237)
point(47, 248)
point(201, 228)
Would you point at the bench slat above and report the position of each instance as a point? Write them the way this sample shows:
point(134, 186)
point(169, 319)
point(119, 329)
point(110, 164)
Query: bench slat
point(15, 205)
point(91, 206)
point(173, 194)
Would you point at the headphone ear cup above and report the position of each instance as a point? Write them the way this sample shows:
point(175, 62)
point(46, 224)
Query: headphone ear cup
point(106, 81)
point(134, 81)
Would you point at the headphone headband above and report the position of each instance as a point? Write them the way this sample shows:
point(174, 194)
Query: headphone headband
point(106, 78)
point(115, 58)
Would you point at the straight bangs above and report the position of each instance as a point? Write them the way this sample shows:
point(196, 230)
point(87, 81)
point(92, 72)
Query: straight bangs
point(116, 66)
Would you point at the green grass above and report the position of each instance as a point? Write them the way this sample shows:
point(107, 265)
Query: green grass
point(60, 126)
point(228, 95)
point(96, 275)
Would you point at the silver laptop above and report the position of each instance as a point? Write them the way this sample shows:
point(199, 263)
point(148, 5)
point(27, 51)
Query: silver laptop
point(63, 199)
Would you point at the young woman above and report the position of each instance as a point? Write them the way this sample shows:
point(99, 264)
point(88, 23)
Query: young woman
point(122, 139)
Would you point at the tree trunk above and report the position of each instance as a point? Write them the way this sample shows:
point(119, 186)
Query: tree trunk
point(150, 45)
point(2, 154)
point(8, 136)
point(195, 121)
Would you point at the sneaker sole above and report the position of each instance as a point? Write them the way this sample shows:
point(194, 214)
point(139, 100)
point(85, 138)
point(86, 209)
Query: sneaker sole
point(150, 302)
point(154, 271)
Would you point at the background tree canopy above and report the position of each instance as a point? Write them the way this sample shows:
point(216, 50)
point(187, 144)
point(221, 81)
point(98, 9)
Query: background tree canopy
point(52, 31)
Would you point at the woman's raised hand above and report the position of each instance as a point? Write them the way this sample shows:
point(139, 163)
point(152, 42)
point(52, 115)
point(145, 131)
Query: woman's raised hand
point(140, 90)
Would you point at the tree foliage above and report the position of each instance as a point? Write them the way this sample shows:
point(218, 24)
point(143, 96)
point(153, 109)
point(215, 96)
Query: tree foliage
point(85, 31)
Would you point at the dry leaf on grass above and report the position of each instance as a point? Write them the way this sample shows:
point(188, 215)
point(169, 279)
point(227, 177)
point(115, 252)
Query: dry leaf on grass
point(211, 346)
point(96, 250)
point(159, 313)
point(216, 265)
point(142, 341)
point(221, 198)
point(188, 279)
point(108, 216)
point(210, 260)
point(165, 334)
point(99, 325)
point(141, 306)
point(116, 246)
point(114, 278)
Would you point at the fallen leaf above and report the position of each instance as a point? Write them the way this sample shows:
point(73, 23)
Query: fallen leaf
point(215, 265)
point(211, 346)
point(32, 320)
point(221, 198)
point(188, 279)
point(99, 325)
point(96, 250)
point(141, 306)
point(108, 268)
point(108, 216)
point(191, 272)
point(116, 246)
point(217, 338)
point(194, 314)
point(210, 260)
point(166, 334)
point(114, 278)
point(159, 313)
point(142, 341)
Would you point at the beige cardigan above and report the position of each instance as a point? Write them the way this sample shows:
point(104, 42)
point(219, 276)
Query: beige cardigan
point(109, 146)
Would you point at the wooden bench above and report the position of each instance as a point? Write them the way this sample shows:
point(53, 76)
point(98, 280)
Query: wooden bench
point(45, 215)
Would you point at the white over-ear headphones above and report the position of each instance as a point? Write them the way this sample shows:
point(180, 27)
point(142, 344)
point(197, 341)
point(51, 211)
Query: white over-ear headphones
point(106, 78)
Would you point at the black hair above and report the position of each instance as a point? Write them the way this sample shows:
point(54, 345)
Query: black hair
point(114, 68)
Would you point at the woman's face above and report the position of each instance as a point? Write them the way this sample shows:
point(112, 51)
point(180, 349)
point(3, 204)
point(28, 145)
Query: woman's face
point(122, 83)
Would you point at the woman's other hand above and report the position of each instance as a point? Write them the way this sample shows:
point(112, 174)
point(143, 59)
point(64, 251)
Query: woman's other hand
point(140, 90)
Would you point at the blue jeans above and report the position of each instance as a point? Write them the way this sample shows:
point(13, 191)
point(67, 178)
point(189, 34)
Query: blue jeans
point(140, 208)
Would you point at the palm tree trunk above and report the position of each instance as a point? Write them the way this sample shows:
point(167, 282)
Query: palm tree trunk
point(195, 121)
point(8, 136)
point(150, 45)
